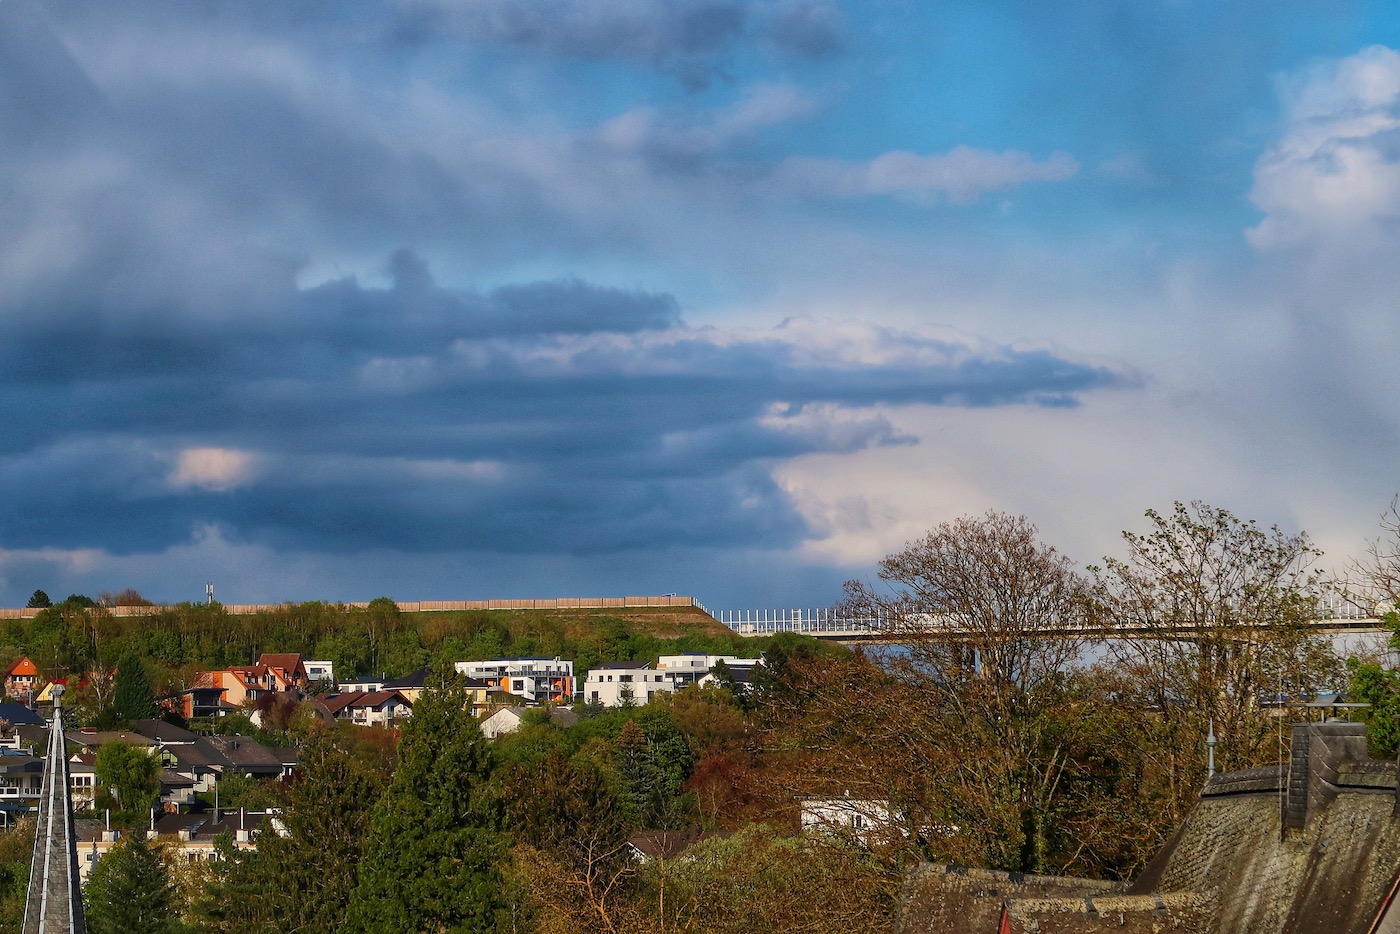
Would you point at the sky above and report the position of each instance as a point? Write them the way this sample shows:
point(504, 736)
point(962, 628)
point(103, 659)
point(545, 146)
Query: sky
point(469, 299)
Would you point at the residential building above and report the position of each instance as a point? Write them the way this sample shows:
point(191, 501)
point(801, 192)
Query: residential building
point(614, 684)
point(322, 672)
point(698, 668)
point(204, 697)
point(646, 846)
point(411, 686)
point(21, 777)
point(188, 838)
point(368, 708)
point(869, 820)
point(22, 680)
point(532, 680)
point(361, 685)
point(286, 669)
point(82, 781)
point(508, 720)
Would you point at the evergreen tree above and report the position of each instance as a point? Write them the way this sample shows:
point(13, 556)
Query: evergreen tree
point(435, 840)
point(310, 874)
point(130, 892)
point(134, 698)
point(39, 601)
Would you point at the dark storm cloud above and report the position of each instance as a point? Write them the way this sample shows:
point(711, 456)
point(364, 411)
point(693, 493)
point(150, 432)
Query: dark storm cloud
point(692, 39)
point(554, 416)
point(161, 370)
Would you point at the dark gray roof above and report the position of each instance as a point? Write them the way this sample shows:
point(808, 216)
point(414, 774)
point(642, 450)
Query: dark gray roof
point(159, 729)
point(248, 755)
point(18, 714)
point(416, 679)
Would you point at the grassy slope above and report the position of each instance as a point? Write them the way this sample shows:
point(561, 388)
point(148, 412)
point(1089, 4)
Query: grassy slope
point(661, 622)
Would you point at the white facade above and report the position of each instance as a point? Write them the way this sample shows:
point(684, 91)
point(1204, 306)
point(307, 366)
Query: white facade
point(867, 819)
point(695, 667)
point(533, 680)
point(373, 711)
point(319, 671)
point(363, 685)
point(613, 684)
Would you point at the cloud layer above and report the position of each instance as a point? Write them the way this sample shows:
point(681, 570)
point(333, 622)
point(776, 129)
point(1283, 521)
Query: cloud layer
point(554, 416)
point(527, 295)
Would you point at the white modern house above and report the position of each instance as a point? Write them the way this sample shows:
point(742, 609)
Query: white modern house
point(697, 667)
point(319, 671)
point(614, 684)
point(532, 680)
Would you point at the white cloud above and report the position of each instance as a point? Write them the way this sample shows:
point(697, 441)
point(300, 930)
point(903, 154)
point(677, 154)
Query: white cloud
point(1333, 180)
point(215, 469)
point(650, 131)
point(962, 173)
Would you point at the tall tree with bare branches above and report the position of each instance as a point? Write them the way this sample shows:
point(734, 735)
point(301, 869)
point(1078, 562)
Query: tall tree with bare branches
point(988, 618)
point(1213, 612)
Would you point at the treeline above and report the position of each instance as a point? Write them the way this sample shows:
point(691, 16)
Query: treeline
point(78, 636)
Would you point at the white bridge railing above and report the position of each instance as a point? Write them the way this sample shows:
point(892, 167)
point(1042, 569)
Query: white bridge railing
point(822, 620)
point(1334, 612)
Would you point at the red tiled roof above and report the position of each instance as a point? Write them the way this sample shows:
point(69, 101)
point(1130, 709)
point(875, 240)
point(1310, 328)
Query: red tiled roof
point(375, 698)
point(335, 703)
point(22, 667)
point(287, 661)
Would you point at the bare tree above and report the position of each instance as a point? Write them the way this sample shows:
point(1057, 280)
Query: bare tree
point(1373, 584)
point(988, 620)
point(1213, 614)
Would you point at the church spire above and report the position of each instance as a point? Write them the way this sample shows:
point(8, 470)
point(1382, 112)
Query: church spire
point(55, 902)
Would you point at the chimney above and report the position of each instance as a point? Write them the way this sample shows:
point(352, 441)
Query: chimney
point(1316, 755)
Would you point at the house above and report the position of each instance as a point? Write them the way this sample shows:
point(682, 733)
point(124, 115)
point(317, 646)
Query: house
point(368, 708)
point(531, 680)
point(204, 697)
point(697, 668)
point(648, 845)
point(21, 777)
point(380, 708)
point(243, 684)
point(286, 670)
point(248, 756)
point(187, 838)
point(319, 672)
point(1307, 846)
point(82, 781)
point(361, 685)
point(508, 720)
point(46, 695)
point(868, 820)
point(613, 684)
point(22, 680)
point(411, 686)
point(483, 696)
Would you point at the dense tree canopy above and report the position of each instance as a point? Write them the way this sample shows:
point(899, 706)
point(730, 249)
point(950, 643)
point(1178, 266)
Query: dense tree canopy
point(435, 844)
point(130, 892)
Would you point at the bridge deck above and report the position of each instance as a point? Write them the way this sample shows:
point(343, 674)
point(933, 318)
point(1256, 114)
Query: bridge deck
point(827, 624)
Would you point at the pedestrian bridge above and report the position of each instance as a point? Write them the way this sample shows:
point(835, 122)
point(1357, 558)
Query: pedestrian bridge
point(836, 626)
